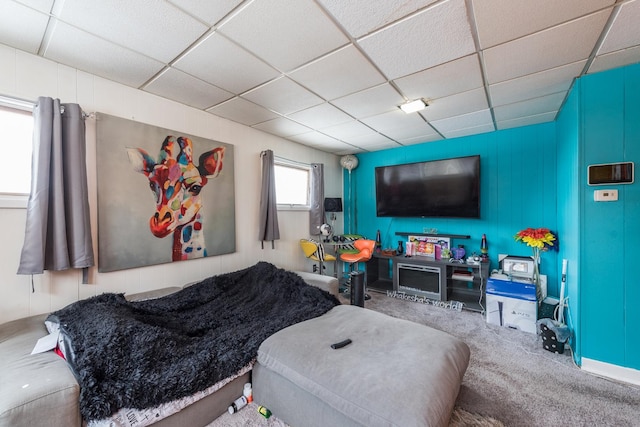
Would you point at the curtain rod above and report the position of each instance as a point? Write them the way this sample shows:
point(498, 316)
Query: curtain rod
point(293, 162)
point(26, 105)
point(18, 103)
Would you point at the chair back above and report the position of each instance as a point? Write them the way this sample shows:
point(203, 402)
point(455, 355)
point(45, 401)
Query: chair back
point(346, 247)
point(308, 247)
point(366, 247)
point(312, 249)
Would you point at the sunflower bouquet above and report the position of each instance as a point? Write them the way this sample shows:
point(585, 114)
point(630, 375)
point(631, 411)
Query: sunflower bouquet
point(537, 238)
point(540, 240)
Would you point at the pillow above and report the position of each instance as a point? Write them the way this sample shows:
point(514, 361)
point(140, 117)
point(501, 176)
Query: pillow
point(319, 251)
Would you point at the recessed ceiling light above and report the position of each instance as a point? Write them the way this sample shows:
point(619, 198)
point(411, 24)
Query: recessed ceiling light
point(413, 106)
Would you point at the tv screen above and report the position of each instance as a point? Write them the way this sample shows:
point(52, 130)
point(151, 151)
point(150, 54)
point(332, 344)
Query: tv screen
point(438, 188)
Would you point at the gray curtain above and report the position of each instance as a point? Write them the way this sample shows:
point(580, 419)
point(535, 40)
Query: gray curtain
point(269, 229)
point(316, 213)
point(58, 229)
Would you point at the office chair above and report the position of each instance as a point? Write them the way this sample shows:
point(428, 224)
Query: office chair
point(364, 253)
point(315, 251)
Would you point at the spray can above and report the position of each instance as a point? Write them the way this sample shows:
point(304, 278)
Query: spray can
point(237, 404)
point(265, 412)
point(248, 392)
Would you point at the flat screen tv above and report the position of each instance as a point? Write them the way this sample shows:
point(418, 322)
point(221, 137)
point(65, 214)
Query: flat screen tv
point(439, 188)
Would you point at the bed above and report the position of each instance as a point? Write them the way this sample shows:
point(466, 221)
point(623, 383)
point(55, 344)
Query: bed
point(143, 355)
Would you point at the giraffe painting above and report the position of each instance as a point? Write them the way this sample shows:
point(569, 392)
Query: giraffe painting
point(176, 183)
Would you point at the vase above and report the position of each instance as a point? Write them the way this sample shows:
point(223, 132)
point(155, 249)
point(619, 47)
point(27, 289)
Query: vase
point(400, 249)
point(536, 272)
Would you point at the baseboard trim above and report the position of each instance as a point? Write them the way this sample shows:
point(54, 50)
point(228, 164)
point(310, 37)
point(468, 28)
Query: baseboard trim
point(615, 372)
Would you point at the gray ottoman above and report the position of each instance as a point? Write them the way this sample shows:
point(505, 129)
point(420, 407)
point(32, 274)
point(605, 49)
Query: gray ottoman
point(394, 373)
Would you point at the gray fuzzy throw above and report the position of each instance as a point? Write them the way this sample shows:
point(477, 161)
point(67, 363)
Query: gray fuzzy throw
point(141, 354)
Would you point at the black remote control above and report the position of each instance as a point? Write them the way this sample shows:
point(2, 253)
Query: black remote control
point(341, 344)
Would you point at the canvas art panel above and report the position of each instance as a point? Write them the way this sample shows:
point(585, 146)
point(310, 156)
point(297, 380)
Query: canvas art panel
point(163, 195)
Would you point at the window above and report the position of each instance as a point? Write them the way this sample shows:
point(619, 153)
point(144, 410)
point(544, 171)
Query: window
point(17, 134)
point(292, 184)
point(16, 122)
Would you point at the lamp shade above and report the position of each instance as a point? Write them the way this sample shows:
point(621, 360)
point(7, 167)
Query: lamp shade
point(333, 204)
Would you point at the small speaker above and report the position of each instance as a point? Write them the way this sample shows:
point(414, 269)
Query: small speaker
point(333, 204)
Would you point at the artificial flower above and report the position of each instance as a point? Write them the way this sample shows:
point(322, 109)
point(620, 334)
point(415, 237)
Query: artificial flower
point(537, 238)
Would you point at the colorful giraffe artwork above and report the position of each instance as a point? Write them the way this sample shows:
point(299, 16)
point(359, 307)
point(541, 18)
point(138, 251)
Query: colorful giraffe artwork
point(176, 183)
point(163, 195)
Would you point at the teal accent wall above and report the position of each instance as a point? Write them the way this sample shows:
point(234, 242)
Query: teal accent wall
point(536, 176)
point(569, 202)
point(608, 286)
point(518, 190)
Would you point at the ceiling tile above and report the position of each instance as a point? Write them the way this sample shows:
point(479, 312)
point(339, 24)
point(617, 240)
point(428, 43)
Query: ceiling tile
point(425, 133)
point(332, 70)
point(283, 95)
point(615, 59)
point(43, 6)
point(242, 111)
point(455, 105)
point(528, 120)
point(338, 74)
point(534, 85)
point(405, 48)
point(285, 33)
point(398, 125)
point(353, 150)
point(210, 12)
point(475, 119)
point(469, 131)
point(500, 21)
point(321, 116)
point(158, 29)
point(324, 142)
point(624, 30)
point(420, 139)
point(181, 87)
point(453, 77)
point(543, 104)
point(97, 56)
point(14, 35)
point(282, 126)
point(360, 17)
point(348, 130)
point(369, 102)
point(223, 63)
point(372, 142)
point(551, 48)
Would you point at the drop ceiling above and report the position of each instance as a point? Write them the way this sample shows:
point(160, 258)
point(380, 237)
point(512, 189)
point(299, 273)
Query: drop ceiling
point(331, 73)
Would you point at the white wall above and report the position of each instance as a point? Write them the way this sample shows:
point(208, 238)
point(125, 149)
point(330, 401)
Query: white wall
point(28, 76)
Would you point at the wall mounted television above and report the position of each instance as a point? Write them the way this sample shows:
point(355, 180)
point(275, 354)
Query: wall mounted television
point(447, 188)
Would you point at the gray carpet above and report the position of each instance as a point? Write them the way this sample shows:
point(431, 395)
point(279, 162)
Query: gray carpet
point(510, 377)
point(513, 379)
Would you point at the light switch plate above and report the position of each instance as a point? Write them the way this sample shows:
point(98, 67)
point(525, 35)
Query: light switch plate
point(605, 195)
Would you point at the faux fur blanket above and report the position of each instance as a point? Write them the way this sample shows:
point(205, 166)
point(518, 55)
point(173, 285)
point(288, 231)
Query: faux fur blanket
point(141, 354)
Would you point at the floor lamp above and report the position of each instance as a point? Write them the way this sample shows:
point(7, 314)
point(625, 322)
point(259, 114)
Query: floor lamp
point(349, 162)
